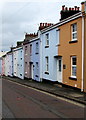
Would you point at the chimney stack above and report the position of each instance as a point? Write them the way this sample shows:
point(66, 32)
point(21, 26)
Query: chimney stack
point(67, 12)
point(83, 5)
point(44, 25)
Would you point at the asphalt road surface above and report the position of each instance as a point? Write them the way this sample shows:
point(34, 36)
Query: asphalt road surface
point(19, 101)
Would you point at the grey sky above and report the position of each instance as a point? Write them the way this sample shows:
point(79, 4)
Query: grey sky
point(20, 17)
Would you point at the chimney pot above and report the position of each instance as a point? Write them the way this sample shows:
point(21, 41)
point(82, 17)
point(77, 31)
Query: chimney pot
point(78, 8)
point(75, 8)
point(40, 24)
point(63, 7)
point(46, 24)
point(66, 8)
point(70, 9)
point(82, 3)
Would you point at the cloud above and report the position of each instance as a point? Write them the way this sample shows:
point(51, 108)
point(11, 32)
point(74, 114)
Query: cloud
point(20, 17)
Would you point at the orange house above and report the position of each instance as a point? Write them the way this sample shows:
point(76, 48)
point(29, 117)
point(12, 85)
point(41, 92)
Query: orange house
point(84, 7)
point(72, 43)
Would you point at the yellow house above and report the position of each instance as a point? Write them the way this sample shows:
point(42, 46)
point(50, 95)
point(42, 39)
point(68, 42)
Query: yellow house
point(72, 43)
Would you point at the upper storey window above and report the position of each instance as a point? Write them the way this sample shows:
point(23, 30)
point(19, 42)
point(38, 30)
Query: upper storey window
point(47, 39)
point(74, 32)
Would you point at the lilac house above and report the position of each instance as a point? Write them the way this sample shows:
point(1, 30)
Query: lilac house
point(26, 48)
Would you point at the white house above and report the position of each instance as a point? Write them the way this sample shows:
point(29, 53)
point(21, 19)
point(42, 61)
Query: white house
point(18, 62)
point(9, 60)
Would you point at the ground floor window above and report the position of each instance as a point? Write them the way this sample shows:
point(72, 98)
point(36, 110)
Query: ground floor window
point(47, 64)
point(73, 66)
point(37, 68)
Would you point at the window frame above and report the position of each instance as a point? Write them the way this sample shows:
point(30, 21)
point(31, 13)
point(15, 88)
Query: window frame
point(74, 32)
point(60, 65)
point(25, 50)
point(73, 76)
point(30, 49)
point(47, 64)
point(47, 39)
point(37, 47)
point(37, 67)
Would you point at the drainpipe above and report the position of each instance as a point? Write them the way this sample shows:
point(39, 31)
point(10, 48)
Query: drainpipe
point(82, 86)
point(40, 55)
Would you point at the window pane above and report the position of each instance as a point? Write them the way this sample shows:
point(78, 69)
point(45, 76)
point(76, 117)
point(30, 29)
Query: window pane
point(47, 42)
point(47, 62)
point(74, 27)
point(47, 36)
point(60, 65)
point(73, 70)
point(74, 61)
point(74, 35)
point(47, 39)
point(30, 49)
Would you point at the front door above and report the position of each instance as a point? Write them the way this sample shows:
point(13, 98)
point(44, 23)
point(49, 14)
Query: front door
point(59, 70)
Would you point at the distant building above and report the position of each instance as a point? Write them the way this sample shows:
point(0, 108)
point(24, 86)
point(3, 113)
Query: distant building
point(9, 63)
point(26, 48)
point(0, 66)
point(3, 64)
point(18, 61)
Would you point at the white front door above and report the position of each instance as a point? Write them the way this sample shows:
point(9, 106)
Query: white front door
point(59, 70)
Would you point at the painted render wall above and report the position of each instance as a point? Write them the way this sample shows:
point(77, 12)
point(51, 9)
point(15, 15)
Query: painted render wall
point(15, 61)
point(51, 51)
point(0, 66)
point(26, 49)
point(85, 56)
point(35, 58)
point(10, 64)
point(18, 58)
point(6, 65)
point(3, 65)
point(66, 50)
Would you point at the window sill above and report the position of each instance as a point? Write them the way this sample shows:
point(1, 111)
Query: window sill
point(58, 45)
point(75, 41)
point(36, 75)
point(72, 78)
point(47, 73)
point(47, 46)
point(37, 53)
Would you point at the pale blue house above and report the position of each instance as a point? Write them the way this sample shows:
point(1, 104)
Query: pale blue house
point(35, 59)
point(50, 62)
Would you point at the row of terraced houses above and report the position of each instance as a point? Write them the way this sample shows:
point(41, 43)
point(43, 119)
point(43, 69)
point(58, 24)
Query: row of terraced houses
point(56, 53)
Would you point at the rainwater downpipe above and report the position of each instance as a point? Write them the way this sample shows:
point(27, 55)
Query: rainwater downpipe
point(83, 23)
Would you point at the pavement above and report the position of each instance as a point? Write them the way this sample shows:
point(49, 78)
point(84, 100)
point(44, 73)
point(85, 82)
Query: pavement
point(53, 88)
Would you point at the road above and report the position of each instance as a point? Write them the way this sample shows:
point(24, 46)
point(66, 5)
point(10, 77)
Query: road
point(19, 101)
